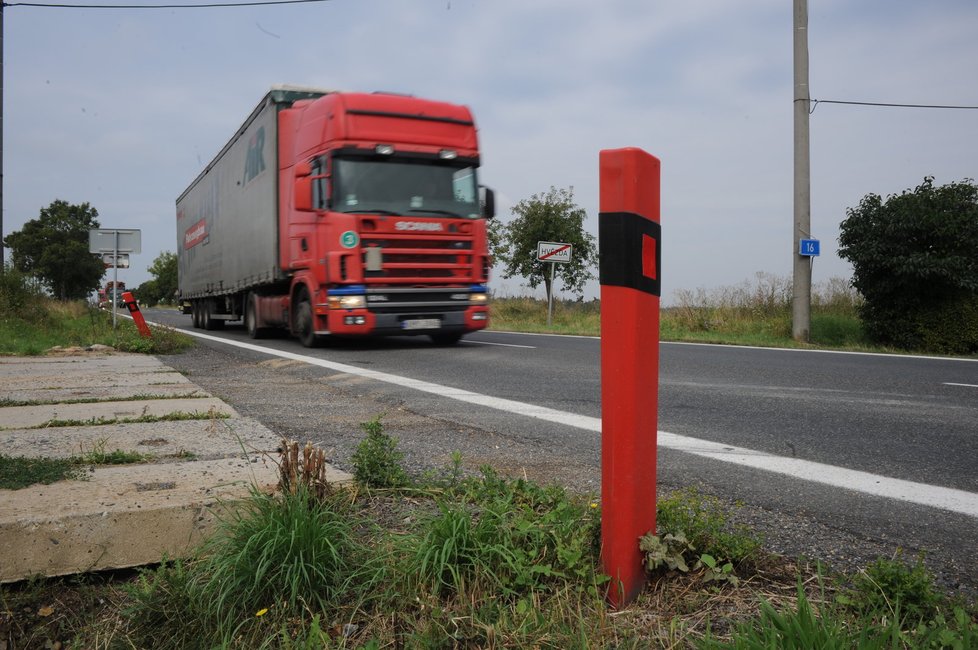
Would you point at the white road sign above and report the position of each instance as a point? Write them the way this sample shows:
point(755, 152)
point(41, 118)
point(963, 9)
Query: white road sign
point(111, 241)
point(549, 251)
point(119, 261)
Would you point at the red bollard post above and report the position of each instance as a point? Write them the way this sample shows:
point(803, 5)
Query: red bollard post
point(137, 316)
point(630, 272)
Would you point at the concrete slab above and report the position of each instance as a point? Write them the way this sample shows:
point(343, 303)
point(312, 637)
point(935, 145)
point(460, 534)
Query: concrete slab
point(139, 381)
point(87, 362)
point(85, 372)
point(104, 393)
point(165, 441)
point(22, 417)
point(121, 516)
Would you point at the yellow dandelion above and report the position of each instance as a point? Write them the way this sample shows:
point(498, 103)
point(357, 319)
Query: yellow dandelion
point(262, 611)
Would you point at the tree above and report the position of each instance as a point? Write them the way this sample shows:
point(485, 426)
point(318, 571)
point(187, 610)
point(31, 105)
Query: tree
point(496, 234)
point(164, 283)
point(54, 248)
point(549, 217)
point(147, 293)
point(914, 262)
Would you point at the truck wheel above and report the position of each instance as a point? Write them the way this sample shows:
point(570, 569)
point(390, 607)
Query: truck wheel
point(446, 338)
point(195, 313)
point(251, 318)
point(304, 327)
point(205, 314)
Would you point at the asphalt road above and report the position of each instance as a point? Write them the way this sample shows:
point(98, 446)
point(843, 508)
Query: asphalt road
point(887, 417)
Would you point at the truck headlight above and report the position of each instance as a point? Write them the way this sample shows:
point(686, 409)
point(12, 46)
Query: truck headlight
point(347, 302)
point(479, 298)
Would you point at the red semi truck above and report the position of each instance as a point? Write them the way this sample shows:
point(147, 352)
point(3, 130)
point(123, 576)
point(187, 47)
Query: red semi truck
point(345, 214)
point(112, 293)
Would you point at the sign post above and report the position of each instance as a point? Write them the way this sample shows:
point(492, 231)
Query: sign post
point(553, 252)
point(109, 243)
point(630, 271)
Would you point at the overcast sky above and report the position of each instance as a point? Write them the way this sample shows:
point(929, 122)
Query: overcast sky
point(122, 108)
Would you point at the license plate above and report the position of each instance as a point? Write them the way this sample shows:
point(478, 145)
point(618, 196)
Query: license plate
point(421, 324)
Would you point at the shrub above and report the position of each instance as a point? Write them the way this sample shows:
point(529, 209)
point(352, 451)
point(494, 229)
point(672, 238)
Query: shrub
point(21, 297)
point(914, 262)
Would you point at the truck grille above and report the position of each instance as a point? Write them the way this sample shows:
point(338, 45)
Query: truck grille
point(419, 258)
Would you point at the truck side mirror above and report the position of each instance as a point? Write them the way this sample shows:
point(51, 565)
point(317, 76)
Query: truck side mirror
point(488, 203)
point(302, 192)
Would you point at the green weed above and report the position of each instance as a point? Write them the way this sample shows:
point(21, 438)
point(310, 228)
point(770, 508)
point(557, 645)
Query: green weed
point(511, 536)
point(176, 416)
point(377, 461)
point(162, 608)
point(18, 472)
point(276, 563)
point(802, 629)
point(6, 401)
point(98, 455)
point(704, 521)
point(889, 585)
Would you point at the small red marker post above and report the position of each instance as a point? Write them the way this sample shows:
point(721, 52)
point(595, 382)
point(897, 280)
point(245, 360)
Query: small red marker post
point(137, 316)
point(630, 271)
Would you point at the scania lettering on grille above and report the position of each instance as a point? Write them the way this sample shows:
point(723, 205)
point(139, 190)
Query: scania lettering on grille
point(428, 226)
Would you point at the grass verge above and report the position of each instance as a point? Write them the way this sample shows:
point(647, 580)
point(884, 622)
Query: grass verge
point(485, 561)
point(754, 313)
point(32, 323)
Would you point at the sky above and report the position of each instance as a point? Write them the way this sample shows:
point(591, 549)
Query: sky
point(122, 108)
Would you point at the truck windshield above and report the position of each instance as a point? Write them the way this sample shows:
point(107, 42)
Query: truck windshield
point(421, 187)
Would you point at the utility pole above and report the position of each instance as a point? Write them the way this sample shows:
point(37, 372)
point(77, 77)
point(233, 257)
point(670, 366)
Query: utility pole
point(1, 138)
point(802, 285)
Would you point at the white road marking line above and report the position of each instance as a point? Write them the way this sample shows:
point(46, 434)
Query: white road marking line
point(951, 383)
point(756, 347)
point(935, 496)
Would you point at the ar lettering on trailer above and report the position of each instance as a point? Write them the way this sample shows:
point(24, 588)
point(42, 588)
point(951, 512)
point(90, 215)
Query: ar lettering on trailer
point(195, 234)
point(255, 160)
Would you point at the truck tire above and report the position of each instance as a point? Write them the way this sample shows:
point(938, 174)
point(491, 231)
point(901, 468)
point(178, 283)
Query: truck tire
point(207, 316)
point(195, 314)
point(304, 327)
point(251, 318)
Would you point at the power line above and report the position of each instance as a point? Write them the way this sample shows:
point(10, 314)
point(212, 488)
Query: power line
point(816, 102)
point(47, 5)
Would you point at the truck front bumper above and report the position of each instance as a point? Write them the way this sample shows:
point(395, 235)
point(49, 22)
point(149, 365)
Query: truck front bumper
point(361, 322)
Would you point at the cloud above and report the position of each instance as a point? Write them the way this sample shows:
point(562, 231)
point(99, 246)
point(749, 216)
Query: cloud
point(124, 108)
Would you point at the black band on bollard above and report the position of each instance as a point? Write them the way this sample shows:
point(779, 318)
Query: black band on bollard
point(621, 244)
